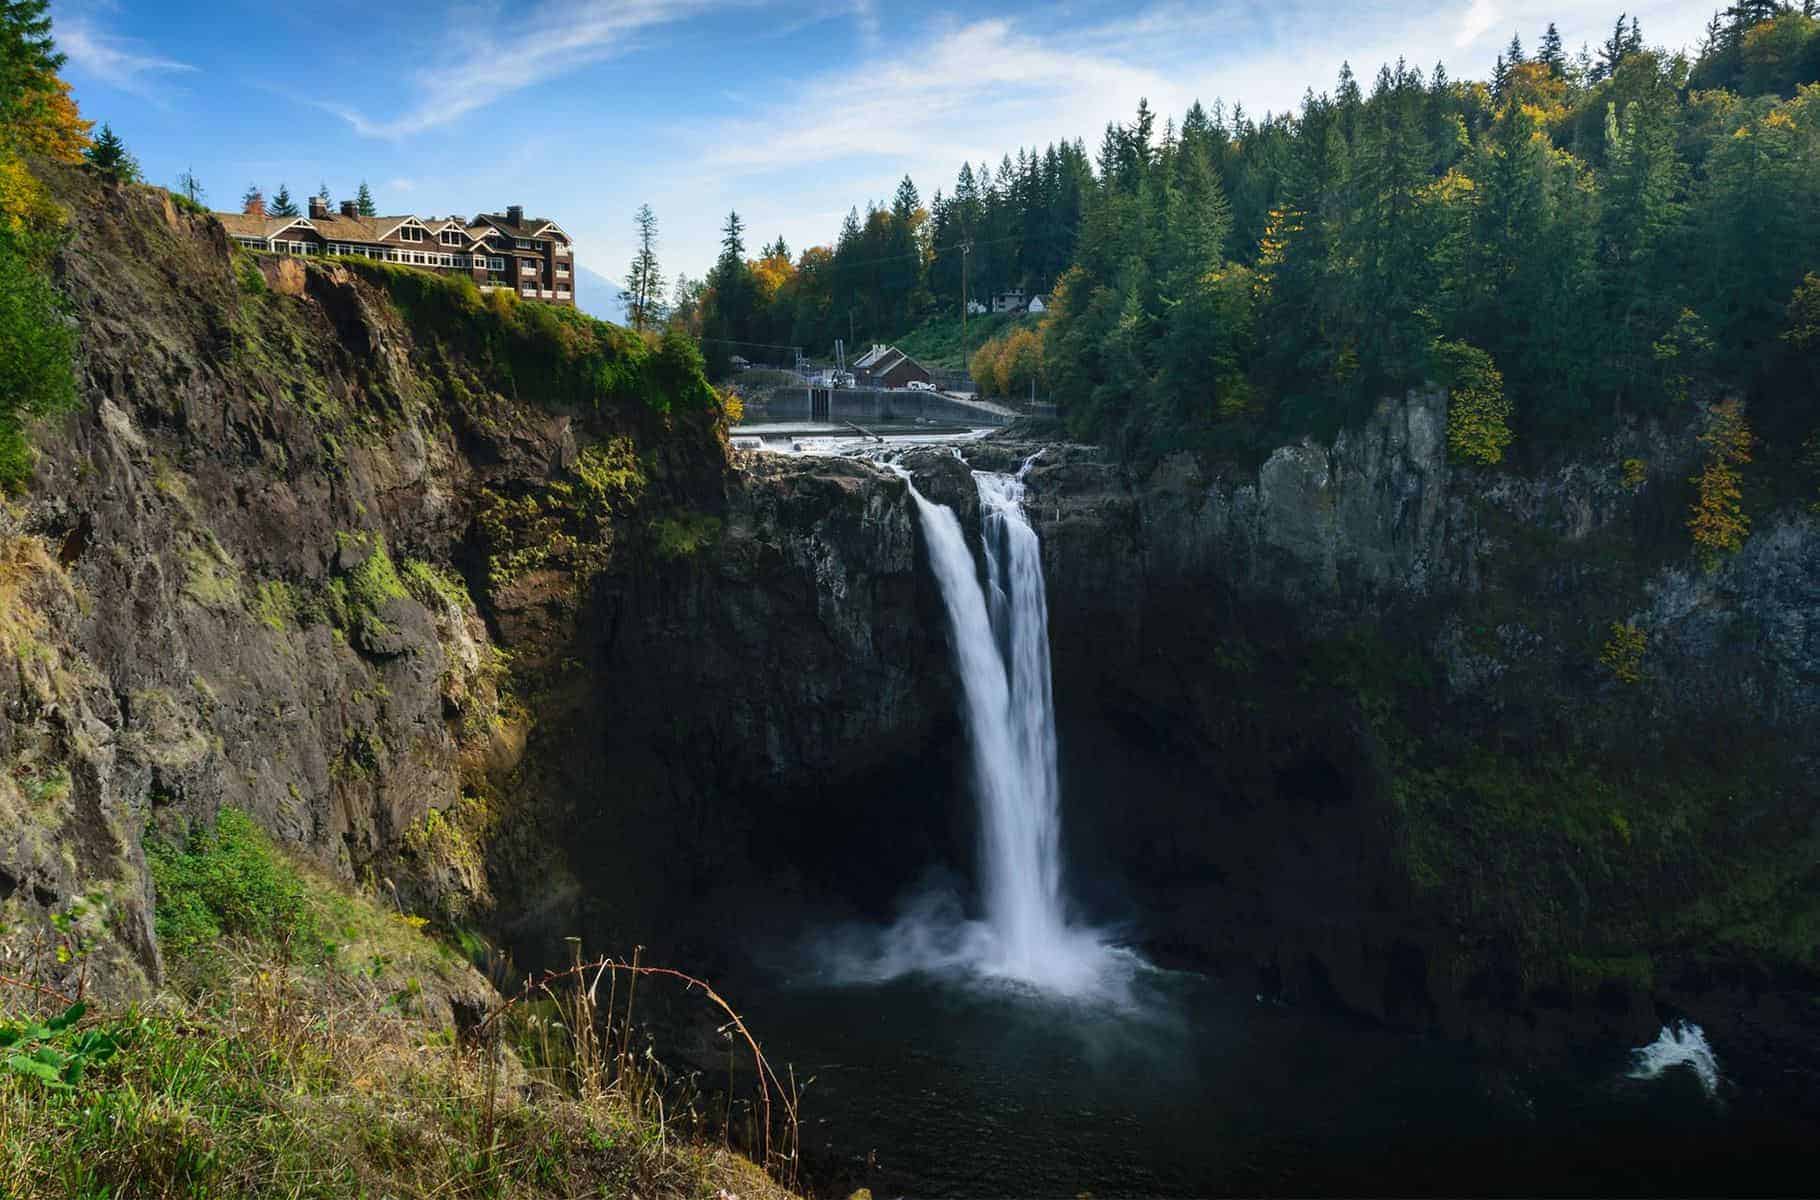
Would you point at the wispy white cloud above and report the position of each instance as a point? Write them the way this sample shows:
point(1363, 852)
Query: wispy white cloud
point(1480, 15)
point(559, 36)
point(116, 62)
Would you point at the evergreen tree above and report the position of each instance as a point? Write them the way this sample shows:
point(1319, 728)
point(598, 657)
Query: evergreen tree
point(1551, 55)
point(1513, 54)
point(729, 300)
point(253, 199)
point(643, 295)
point(1613, 51)
point(282, 204)
point(109, 157)
point(29, 59)
point(363, 201)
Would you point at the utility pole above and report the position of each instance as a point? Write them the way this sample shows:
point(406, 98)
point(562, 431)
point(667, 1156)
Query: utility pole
point(966, 249)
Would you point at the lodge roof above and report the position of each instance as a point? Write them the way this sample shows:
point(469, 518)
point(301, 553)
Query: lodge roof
point(337, 227)
point(253, 224)
point(535, 227)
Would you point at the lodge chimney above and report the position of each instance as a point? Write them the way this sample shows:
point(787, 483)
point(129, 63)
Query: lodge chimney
point(318, 207)
point(516, 214)
point(349, 209)
point(255, 203)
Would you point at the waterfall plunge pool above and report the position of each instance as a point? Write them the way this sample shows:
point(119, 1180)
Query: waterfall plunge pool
point(930, 1085)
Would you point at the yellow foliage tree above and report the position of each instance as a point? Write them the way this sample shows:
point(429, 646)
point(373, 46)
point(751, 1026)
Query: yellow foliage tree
point(1718, 521)
point(1622, 654)
point(770, 275)
point(1009, 365)
point(1478, 411)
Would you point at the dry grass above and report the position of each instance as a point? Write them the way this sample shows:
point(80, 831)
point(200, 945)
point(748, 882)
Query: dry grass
point(264, 1074)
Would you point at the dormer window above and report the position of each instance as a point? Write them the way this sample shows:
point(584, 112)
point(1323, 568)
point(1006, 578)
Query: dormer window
point(452, 237)
point(410, 233)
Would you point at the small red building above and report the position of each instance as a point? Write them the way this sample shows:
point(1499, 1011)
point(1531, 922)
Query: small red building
point(888, 367)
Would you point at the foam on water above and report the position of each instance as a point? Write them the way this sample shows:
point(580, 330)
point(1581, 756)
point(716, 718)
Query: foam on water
point(1680, 1045)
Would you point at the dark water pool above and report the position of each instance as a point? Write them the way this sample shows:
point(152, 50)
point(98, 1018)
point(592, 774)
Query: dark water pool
point(943, 1088)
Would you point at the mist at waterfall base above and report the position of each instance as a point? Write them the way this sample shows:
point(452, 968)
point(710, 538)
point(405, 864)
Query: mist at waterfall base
point(999, 631)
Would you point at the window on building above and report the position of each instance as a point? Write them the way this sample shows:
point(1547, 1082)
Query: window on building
point(524, 243)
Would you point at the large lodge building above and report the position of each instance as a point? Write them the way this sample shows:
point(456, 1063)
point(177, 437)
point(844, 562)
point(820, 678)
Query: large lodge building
point(532, 258)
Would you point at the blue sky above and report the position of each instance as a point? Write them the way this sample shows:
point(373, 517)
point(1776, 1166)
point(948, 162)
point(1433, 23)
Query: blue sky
point(790, 112)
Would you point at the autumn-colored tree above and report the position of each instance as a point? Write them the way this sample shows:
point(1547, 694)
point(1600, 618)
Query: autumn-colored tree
point(1478, 412)
point(1718, 521)
point(772, 272)
point(1622, 653)
point(37, 117)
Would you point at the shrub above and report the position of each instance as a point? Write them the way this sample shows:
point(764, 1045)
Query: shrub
point(1622, 654)
point(684, 534)
point(228, 881)
point(1478, 412)
point(545, 353)
point(36, 348)
point(1718, 521)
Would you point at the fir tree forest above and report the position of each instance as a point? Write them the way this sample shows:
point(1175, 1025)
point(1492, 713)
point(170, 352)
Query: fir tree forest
point(1611, 231)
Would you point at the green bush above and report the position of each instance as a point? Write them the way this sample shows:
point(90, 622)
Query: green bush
point(36, 349)
point(228, 882)
point(545, 353)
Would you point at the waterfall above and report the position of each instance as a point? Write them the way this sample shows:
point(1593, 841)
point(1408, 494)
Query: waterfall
point(1000, 636)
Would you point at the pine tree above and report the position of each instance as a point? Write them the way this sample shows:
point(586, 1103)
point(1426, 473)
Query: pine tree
point(643, 296)
point(1613, 51)
point(732, 239)
point(1633, 41)
point(1551, 55)
point(1713, 39)
point(282, 204)
point(253, 200)
point(1513, 54)
point(29, 60)
point(363, 201)
point(322, 194)
point(109, 157)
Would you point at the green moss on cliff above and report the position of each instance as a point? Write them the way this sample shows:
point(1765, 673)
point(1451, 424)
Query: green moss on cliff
point(544, 353)
point(1597, 850)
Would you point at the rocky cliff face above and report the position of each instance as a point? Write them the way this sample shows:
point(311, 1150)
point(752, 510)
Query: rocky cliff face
point(1427, 782)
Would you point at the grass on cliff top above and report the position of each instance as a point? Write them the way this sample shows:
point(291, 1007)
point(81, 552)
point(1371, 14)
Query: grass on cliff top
point(937, 341)
point(306, 1049)
point(546, 353)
